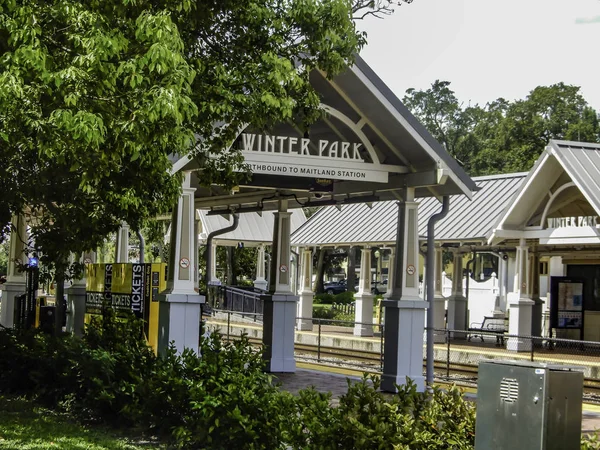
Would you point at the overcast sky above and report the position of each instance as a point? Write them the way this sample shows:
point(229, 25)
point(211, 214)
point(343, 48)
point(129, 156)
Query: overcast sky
point(488, 48)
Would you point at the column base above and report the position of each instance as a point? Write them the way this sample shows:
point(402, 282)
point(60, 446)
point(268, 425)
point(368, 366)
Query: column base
point(179, 322)
point(457, 315)
point(439, 320)
point(75, 309)
point(364, 315)
point(10, 290)
point(403, 345)
point(519, 324)
point(305, 311)
point(261, 283)
point(279, 332)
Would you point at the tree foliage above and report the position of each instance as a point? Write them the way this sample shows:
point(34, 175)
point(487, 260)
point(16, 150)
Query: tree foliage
point(503, 136)
point(95, 96)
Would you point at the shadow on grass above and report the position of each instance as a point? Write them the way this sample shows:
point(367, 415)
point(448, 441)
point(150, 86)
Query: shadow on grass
point(28, 427)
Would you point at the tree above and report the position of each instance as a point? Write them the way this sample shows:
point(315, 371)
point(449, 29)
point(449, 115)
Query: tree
point(503, 137)
point(558, 111)
point(95, 96)
point(3, 258)
point(377, 8)
point(442, 114)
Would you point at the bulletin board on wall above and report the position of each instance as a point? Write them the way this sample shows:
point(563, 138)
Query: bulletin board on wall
point(566, 303)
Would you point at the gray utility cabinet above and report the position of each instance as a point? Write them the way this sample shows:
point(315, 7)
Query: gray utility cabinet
point(528, 406)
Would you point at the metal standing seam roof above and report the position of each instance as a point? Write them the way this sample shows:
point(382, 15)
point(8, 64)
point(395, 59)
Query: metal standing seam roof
point(252, 228)
point(581, 160)
point(471, 220)
point(368, 112)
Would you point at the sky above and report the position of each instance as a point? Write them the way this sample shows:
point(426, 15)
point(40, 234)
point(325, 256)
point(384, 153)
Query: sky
point(488, 48)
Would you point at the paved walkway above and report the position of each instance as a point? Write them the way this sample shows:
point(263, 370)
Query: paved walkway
point(337, 384)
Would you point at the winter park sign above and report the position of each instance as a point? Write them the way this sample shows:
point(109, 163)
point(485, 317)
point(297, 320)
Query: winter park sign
point(303, 157)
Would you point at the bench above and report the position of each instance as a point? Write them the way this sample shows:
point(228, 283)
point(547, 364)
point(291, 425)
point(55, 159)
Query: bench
point(490, 325)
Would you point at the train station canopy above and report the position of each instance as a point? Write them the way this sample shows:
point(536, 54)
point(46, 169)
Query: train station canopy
point(253, 228)
point(467, 222)
point(366, 148)
point(559, 201)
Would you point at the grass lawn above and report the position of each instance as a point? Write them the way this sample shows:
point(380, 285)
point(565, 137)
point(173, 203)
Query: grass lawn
point(25, 426)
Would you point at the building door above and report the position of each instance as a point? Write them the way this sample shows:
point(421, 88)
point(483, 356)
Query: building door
point(591, 297)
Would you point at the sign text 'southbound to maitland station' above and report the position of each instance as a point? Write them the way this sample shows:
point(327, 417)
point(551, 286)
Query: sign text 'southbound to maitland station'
point(293, 146)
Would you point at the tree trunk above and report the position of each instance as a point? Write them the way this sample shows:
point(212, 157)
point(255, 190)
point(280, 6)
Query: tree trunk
point(320, 271)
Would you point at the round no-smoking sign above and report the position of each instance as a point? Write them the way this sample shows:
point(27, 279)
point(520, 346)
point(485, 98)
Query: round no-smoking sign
point(184, 263)
point(410, 269)
point(283, 268)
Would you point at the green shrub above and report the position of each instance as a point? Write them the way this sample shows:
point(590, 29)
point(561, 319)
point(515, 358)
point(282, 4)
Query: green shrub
point(590, 442)
point(344, 297)
point(323, 299)
point(367, 418)
point(222, 400)
point(323, 313)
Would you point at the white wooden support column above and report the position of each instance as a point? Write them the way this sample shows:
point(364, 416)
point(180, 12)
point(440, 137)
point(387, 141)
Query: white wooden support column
point(76, 298)
point(214, 280)
point(364, 297)
point(197, 225)
point(179, 308)
point(305, 307)
point(457, 302)
point(391, 274)
point(261, 281)
point(520, 304)
point(122, 244)
point(15, 280)
point(502, 284)
point(534, 293)
point(405, 310)
point(281, 303)
point(438, 297)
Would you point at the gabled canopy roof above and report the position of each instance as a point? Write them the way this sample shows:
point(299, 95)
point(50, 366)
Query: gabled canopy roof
point(361, 109)
point(252, 229)
point(467, 221)
point(564, 182)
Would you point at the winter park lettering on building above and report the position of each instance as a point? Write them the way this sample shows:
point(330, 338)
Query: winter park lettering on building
point(580, 221)
point(303, 157)
point(301, 147)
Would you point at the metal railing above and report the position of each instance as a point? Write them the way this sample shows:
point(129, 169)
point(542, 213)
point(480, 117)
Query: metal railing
point(457, 353)
point(248, 301)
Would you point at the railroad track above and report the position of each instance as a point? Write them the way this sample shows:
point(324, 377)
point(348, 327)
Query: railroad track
point(371, 362)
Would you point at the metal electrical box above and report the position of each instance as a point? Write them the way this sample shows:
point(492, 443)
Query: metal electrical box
point(528, 406)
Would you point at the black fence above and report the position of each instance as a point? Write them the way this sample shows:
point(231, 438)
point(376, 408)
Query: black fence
point(457, 353)
point(248, 301)
point(345, 308)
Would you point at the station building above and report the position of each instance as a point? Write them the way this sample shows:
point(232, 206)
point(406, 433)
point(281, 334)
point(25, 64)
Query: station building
point(535, 235)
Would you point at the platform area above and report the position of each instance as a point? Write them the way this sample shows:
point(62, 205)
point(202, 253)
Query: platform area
point(457, 352)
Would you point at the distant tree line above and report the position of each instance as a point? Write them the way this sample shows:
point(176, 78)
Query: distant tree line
point(503, 136)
